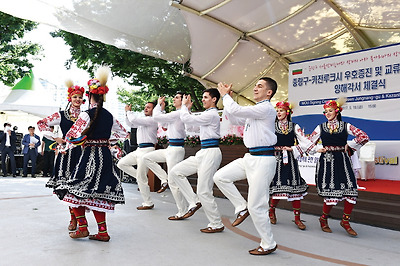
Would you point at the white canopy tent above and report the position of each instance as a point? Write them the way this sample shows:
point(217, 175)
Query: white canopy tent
point(233, 41)
point(29, 96)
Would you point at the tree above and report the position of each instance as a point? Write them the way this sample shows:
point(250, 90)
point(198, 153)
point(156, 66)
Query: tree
point(154, 76)
point(14, 54)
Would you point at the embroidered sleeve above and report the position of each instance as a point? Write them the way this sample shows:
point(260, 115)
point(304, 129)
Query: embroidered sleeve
point(360, 136)
point(45, 123)
point(304, 144)
point(117, 131)
point(314, 138)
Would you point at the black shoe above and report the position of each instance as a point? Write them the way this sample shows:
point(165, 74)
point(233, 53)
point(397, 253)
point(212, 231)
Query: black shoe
point(25, 176)
point(4, 175)
point(14, 175)
point(33, 176)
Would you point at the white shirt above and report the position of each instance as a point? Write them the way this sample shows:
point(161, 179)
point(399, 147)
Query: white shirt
point(176, 128)
point(8, 143)
point(146, 127)
point(259, 121)
point(208, 121)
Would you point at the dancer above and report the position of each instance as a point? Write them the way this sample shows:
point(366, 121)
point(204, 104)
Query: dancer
point(173, 154)
point(334, 177)
point(288, 183)
point(205, 162)
point(94, 184)
point(147, 139)
point(65, 162)
point(258, 166)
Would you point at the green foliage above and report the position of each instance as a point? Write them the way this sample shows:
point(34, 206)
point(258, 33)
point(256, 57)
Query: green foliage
point(162, 140)
point(14, 54)
point(154, 77)
point(192, 141)
point(231, 140)
point(226, 140)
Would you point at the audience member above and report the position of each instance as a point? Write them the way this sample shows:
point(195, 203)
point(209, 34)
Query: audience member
point(31, 142)
point(8, 147)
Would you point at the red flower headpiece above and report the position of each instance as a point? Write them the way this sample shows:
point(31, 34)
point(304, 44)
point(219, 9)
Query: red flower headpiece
point(286, 106)
point(96, 88)
point(74, 90)
point(333, 104)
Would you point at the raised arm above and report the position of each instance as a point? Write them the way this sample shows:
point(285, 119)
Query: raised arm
point(304, 145)
point(162, 117)
point(255, 111)
point(137, 120)
point(117, 131)
point(45, 123)
point(203, 118)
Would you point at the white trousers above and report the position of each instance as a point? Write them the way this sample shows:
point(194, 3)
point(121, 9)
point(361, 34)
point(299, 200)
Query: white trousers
point(259, 171)
point(171, 155)
point(126, 164)
point(205, 163)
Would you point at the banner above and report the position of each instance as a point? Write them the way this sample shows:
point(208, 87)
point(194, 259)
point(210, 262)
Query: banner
point(370, 81)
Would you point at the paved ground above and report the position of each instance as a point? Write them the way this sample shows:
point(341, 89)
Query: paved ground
point(34, 232)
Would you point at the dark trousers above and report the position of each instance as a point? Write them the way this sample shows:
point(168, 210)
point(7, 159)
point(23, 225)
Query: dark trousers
point(31, 155)
point(7, 150)
point(48, 162)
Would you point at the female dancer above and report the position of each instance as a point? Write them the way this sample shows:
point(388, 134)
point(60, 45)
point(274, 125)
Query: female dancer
point(65, 163)
point(94, 184)
point(288, 183)
point(334, 176)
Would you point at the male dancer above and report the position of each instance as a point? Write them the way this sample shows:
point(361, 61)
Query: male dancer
point(173, 154)
point(205, 162)
point(258, 166)
point(147, 138)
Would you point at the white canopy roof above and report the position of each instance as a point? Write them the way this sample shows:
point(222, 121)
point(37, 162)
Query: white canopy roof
point(233, 41)
point(29, 96)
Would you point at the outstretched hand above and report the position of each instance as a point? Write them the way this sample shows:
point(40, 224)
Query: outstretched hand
point(128, 107)
point(187, 100)
point(161, 102)
point(224, 89)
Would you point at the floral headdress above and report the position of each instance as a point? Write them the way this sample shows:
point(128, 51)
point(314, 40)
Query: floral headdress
point(98, 85)
point(286, 106)
point(73, 90)
point(337, 105)
point(96, 88)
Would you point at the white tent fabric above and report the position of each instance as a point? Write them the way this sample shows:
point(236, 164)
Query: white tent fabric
point(29, 102)
point(233, 41)
point(35, 101)
point(149, 27)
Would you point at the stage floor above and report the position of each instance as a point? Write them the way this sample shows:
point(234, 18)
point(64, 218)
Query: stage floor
point(380, 186)
point(35, 233)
